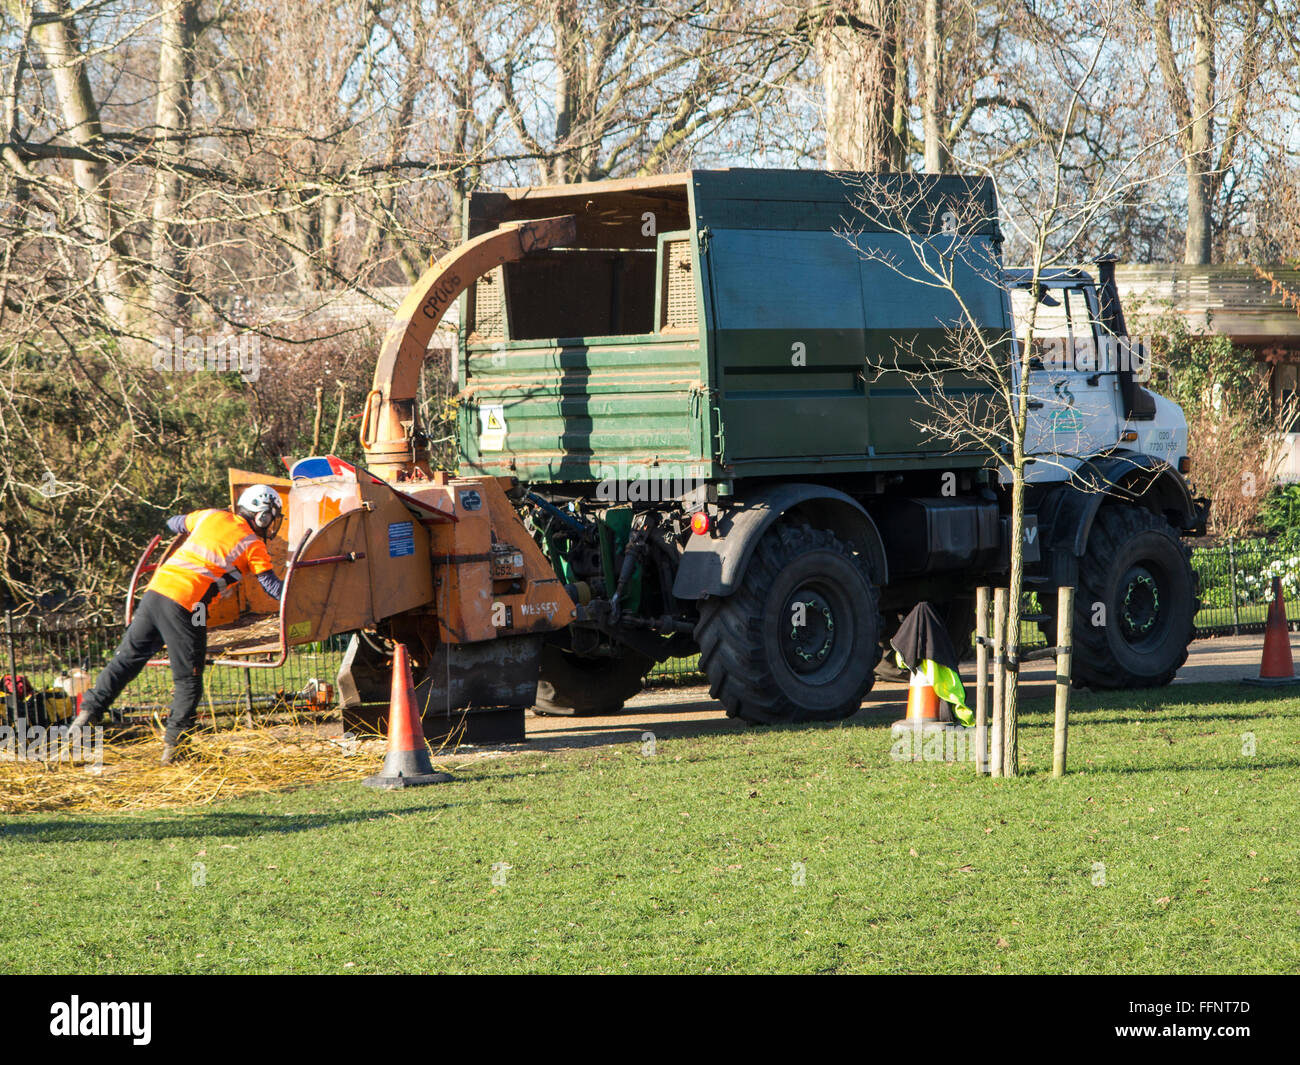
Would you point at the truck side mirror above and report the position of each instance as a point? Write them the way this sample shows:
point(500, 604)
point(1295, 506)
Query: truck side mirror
point(1140, 353)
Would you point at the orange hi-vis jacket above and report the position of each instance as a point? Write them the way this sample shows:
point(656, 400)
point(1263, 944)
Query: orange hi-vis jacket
point(221, 547)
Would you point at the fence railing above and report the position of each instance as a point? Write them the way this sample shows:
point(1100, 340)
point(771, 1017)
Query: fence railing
point(49, 653)
point(1235, 585)
point(1236, 578)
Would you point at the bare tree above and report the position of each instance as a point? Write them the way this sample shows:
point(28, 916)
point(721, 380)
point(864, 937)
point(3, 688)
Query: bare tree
point(948, 248)
point(179, 28)
point(1211, 115)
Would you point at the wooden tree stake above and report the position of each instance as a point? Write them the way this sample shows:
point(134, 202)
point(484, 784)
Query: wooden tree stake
point(981, 680)
point(1064, 659)
point(1000, 598)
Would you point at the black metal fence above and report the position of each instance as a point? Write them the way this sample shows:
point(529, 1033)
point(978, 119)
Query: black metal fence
point(53, 654)
point(1236, 578)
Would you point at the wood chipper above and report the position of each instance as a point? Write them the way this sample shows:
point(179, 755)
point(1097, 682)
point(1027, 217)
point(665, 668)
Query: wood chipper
point(394, 552)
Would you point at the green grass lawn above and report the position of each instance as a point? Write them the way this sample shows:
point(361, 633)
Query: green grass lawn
point(1167, 850)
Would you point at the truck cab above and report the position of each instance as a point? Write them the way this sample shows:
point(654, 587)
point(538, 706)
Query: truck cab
point(1087, 385)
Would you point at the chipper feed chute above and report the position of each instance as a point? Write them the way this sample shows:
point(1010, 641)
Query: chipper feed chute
point(390, 431)
point(363, 552)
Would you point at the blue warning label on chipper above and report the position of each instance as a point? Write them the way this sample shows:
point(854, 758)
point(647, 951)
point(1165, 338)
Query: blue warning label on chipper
point(401, 539)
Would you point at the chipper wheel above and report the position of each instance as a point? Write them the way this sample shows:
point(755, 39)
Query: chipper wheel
point(573, 686)
point(1135, 606)
point(798, 640)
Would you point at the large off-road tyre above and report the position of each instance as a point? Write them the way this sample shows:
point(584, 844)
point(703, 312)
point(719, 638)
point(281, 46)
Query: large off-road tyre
point(765, 669)
point(958, 615)
point(573, 686)
point(1139, 571)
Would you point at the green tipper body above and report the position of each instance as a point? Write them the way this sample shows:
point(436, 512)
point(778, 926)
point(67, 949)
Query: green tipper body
point(725, 324)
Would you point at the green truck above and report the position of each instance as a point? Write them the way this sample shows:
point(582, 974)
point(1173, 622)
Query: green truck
point(721, 445)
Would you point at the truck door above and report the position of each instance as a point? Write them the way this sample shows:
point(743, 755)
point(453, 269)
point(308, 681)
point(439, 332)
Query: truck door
point(1073, 390)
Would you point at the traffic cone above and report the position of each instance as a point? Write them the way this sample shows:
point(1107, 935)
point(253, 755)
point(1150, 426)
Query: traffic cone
point(1275, 666)
point(925, 710)
point(923, 705)
point(927, 717)
point(407, 762)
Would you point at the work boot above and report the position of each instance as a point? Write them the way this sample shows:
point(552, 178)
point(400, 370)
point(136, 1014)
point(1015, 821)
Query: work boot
point(177, 750)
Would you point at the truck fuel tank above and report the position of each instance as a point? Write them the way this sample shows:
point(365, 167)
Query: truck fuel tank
point(935, 534)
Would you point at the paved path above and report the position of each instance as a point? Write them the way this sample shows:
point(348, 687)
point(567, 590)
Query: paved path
point(690, 711)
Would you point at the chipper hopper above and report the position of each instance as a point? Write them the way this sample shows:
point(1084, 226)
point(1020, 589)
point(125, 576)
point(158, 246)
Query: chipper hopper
point(443, 566)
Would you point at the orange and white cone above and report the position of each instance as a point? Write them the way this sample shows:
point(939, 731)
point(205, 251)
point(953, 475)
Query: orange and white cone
point(1276, 666)
point(924, 706)
point(407, 763)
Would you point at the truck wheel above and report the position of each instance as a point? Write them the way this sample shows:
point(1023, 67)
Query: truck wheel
point(767, 670)
point(1139, 570)
point(572, 686)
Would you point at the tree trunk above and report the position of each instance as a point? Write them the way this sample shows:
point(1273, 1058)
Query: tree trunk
point(567, 78)
point(1011, 701)
point(169, 284)
point(1200, 159)
point(902, 102)
point(56, 36)
point(932, 118)
point(858, 51)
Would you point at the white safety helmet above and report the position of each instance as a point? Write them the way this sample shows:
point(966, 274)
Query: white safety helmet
point(260, 506)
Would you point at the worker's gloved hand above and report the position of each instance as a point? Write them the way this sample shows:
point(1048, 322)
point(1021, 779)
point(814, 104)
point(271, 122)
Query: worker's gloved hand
point(176, 524)
point(271, 583)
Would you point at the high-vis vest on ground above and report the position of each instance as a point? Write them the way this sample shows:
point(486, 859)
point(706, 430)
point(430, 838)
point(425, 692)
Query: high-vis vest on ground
point(219, 550)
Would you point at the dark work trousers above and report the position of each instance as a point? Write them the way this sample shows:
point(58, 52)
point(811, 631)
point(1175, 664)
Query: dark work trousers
point(157, 621)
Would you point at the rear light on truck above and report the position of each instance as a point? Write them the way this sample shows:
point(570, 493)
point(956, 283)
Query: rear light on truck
point(699, 523)
point(1184, 465)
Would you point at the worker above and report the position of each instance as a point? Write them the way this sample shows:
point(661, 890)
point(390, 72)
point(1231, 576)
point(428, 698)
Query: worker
point(220, 548)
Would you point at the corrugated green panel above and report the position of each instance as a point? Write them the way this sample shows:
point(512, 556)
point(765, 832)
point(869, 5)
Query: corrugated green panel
point(577, 412)
point(857, 394)
point(816, 335)
point(837, 201)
